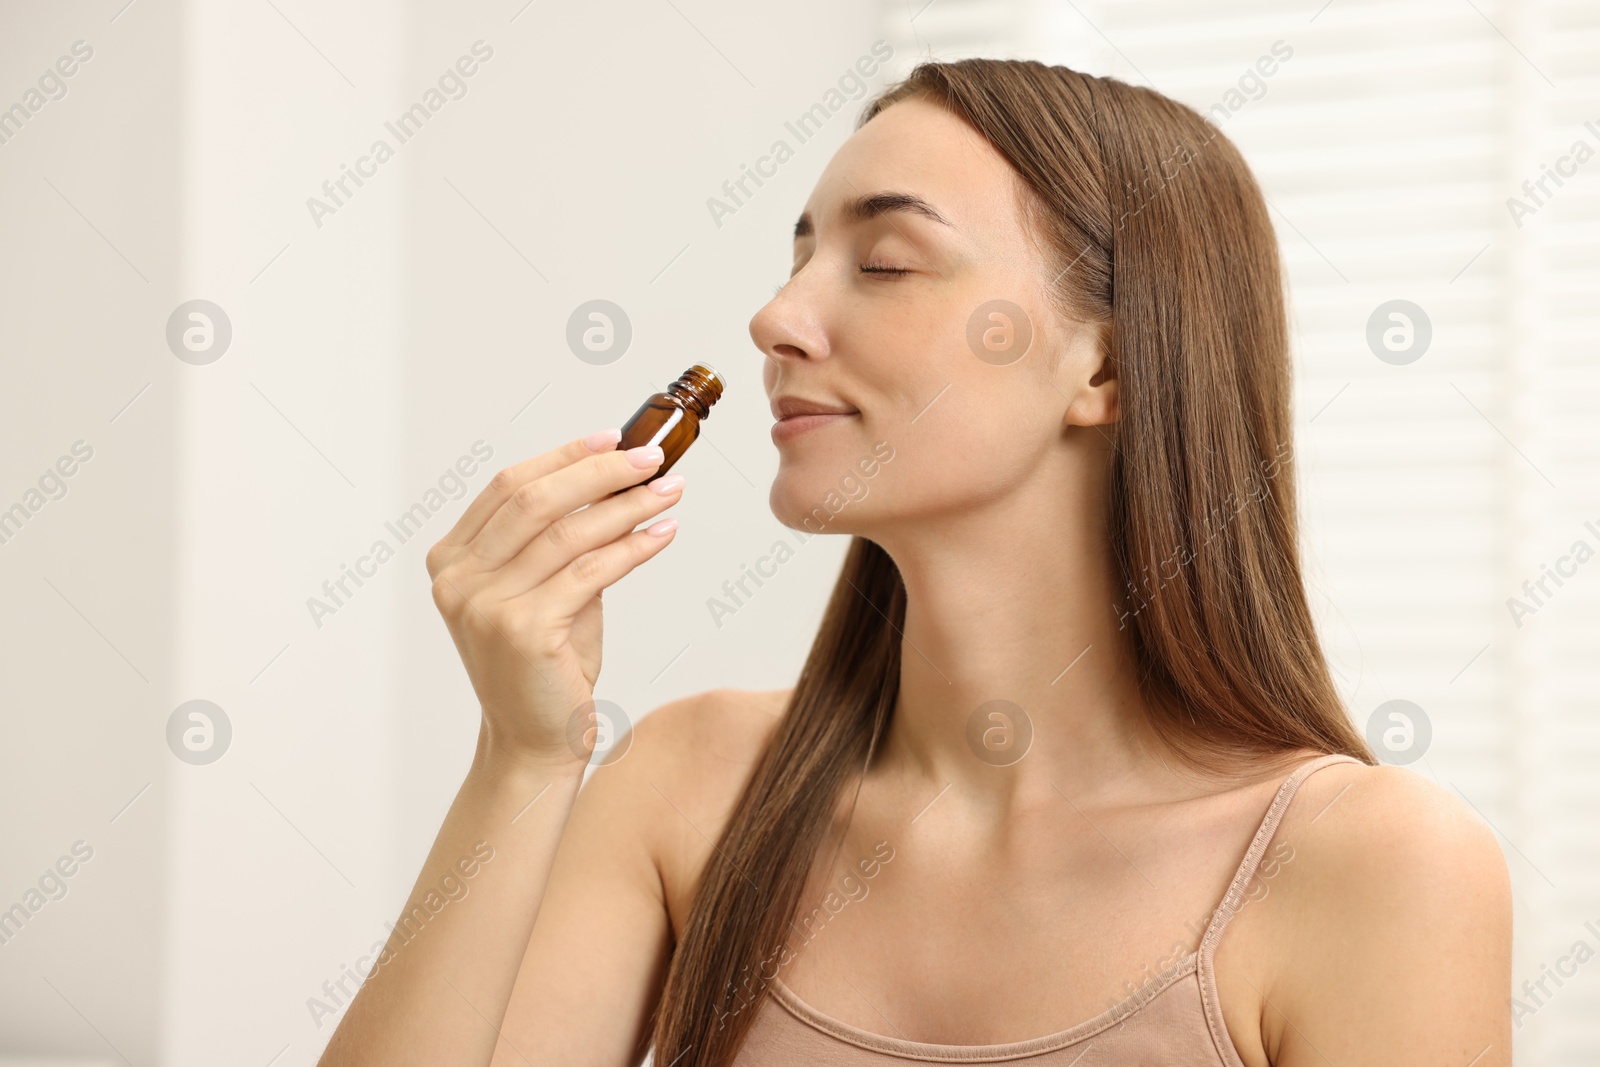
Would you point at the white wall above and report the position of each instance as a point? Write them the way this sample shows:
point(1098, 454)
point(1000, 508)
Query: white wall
point(368, 354)
point(91, 257)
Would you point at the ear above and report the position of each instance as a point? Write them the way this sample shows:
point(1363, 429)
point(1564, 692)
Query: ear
point(1094, 402)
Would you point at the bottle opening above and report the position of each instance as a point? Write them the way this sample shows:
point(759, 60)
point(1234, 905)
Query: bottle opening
point(705, 382)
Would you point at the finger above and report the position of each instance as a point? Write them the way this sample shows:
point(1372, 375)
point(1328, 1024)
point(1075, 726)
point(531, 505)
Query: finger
point(574, 585)
point(529, 510)
point(510, 479)
point(581, 531)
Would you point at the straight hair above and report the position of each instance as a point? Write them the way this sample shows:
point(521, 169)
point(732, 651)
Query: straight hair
point(1154, 227)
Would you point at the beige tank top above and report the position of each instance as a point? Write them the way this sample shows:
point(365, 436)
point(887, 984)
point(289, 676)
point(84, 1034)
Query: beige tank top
point(1175, 1019)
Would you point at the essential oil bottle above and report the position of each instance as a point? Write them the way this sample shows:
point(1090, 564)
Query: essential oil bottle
point(672, 419)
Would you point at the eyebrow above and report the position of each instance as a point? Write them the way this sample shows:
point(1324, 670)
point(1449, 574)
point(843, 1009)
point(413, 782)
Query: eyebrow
point(873, 205)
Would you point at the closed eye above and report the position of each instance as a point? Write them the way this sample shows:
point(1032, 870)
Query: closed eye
point(878, 268)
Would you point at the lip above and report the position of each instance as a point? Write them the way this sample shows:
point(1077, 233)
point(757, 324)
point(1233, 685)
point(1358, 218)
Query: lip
point(789, 428)
point(785, 406)
point(796, 415)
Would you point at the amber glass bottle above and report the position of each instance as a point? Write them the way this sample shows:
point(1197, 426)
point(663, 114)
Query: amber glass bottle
point(672, 419)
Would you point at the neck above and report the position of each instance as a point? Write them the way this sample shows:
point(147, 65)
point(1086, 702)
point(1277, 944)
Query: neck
point(1015, 601)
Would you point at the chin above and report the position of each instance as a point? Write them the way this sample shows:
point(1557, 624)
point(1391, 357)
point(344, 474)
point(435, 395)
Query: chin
point(794, 494)
point(812, 504)
point(833, 489)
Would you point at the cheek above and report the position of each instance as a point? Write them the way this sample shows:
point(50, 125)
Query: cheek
point(962, 458)
point(950, 459)
point(987, 436)
point(959, 430)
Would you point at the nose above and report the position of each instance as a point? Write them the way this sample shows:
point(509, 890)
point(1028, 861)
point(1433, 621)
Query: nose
point(789, 326)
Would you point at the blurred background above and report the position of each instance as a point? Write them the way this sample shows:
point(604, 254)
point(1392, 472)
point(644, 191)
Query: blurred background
point(230, 368)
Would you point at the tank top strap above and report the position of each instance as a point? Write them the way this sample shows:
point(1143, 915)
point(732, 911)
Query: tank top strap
point(1233, 900)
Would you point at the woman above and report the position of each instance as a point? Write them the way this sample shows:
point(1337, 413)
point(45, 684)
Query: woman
point(1064, 776)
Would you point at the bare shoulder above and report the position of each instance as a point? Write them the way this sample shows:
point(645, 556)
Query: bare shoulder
point(1399, 892)
point(684, 767)
point(696, 748)
point(1387, 830)
point(717, 725)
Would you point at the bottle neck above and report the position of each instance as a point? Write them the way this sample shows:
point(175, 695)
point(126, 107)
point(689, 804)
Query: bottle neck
point(697, 391)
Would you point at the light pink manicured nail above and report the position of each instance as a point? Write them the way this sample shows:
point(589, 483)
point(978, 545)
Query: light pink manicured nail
point(646, 456)
point(662, 528)
point(601, 440)
point(667, 483)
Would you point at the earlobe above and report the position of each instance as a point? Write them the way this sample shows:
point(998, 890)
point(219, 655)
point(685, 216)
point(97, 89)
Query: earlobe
point(1097, 401)
point(1095, 404)
point(1109, 400)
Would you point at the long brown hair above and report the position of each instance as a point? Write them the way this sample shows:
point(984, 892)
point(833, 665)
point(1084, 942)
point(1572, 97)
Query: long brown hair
point(1158, 230)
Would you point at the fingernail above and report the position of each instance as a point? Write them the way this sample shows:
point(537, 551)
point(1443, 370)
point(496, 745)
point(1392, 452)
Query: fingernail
point(646, 456)
point(667, 483)
point(602, 440)
point(662, 528)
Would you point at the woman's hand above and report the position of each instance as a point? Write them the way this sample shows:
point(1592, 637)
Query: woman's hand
point(518, 580)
